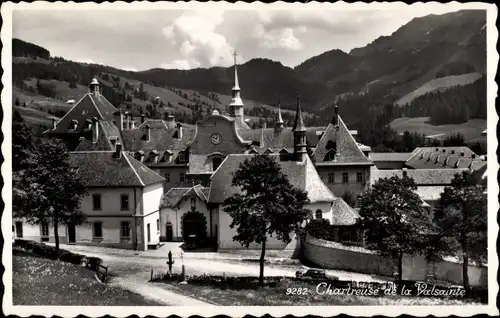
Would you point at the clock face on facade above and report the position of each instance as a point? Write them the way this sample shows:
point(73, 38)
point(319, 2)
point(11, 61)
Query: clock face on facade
point(216, 139)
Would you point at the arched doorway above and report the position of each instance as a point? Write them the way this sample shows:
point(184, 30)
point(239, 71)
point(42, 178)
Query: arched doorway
point(194, 222)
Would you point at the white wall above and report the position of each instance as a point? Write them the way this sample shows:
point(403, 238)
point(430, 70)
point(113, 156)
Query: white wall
point(111, 234)
point(326, 208)
point(155, 234)
point(34, 232)
point(151, 198)
point(174, 216)
point(110, 201)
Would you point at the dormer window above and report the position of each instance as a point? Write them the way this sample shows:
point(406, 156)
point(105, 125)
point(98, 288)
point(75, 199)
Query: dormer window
point(268, 151)
point(182, 157)
point(74, 124)
point(330, 156)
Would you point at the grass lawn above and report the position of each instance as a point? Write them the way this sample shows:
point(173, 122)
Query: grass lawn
point(39, 281)
point(277, 296)
point(470, 130)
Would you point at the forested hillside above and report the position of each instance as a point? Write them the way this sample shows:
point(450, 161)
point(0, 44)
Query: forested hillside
point(452, 106)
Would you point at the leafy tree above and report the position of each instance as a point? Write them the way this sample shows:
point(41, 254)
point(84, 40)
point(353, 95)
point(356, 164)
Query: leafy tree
point(53, 188)
point(267, 205)
point(22, 152)
point(461, 215)
point(394, 220)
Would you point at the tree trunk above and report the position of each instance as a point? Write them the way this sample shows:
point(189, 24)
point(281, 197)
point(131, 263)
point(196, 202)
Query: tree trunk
point(261, 261)
point(56, 234)
point(400, 266)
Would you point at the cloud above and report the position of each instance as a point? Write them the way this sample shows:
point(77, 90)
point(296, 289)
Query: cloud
point(280, 39)
point(193, 35)
point(178, 65)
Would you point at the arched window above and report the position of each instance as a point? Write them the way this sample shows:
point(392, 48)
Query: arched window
point(319, 214)
point(216, 162)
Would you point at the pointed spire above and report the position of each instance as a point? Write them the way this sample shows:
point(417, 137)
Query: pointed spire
point(279, 121)
point(299, 121)
point(236, 81)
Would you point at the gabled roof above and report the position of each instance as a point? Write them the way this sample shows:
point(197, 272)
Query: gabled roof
point(389, 156)
point(109, 135)
point(301, 174)
point(175, 195)
point(420, 176)
point(342, 213)
point(161, 139)
point(91, 105)
point(104, 169)
point(277, 139)
point(447, 157)
point(348, 151)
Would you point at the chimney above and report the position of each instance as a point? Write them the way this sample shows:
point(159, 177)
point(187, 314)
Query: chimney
point(405, 172)
point(143, 118)
point(179, 131)
point(95, 130)
point(148, 133)
point(462, 154)
point(53, 123)
point(118, 150)
point(119, 119)
point(127, 124)
point(335, 119)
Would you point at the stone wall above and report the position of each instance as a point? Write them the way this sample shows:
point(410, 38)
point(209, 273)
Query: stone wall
point(333, 255)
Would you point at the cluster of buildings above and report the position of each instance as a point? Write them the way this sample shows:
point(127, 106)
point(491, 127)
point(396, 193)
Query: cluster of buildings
point(151, 180)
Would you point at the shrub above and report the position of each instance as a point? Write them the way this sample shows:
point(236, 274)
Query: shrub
point(320, 228)
point(72, 258)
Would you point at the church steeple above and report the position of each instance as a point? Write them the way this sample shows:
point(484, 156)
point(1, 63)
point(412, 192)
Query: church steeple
point(299, 134)
point(236, 105)
point(279, 121)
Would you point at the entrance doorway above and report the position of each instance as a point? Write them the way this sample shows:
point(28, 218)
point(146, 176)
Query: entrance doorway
point(19, 229)
point(71, 234)
point(170, 234)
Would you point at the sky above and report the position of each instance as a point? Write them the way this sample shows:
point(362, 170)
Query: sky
point(185, 39)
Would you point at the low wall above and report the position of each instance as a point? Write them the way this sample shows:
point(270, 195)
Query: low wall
point(333, 255)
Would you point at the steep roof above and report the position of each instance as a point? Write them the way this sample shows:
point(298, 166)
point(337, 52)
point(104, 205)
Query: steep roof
point(89, 106)
point(420, 176)
point(347, 149)
point(160, 139)
point(104, 169)
point(302, 175)
point(342, 213)
point(441, 157)
point(389, 156)
point(109, 135)
point(277, 139)
point(175, 195)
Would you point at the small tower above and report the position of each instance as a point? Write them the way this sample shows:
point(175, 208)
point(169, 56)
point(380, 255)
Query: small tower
point(299, 134)
point(94, 86)
point(279, 121)
point(236, 105)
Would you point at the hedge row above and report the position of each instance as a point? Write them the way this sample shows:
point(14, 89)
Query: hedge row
point(241, 282)
point(48, 251)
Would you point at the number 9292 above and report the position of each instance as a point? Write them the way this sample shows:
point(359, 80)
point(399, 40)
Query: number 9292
point(297, 291)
